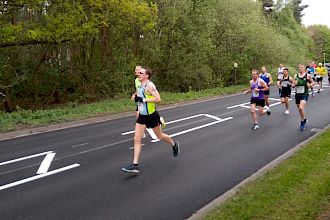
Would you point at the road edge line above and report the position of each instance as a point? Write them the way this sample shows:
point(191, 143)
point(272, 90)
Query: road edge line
point(201, 213)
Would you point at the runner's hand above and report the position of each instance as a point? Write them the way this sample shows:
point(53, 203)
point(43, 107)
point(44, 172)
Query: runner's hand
point(139, 99)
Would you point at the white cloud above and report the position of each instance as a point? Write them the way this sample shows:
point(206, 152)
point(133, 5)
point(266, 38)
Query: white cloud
point(318, 12)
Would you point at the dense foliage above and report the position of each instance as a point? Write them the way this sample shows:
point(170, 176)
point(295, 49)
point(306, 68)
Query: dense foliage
point(56, 52)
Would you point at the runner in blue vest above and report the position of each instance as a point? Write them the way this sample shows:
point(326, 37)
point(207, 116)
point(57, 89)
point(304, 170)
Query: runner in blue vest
point(258, 87)
point(265, 76)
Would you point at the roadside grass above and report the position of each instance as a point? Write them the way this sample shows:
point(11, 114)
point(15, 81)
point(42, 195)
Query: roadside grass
point(299, 188)
point(22, 119)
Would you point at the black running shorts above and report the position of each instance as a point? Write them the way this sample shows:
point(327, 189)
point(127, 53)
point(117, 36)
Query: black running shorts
point(258, 102)
point(285, 93)
point(151, 121)
point(319, 79)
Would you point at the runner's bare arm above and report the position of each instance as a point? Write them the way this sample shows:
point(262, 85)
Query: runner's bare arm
point(133, 96)
point(294, 80)
point(249, 90)
point(264, 85)
point(270, 79)
point(151, 89)
point(310, 82)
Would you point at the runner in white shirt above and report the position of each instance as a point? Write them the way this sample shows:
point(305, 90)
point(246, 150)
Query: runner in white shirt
point(279, 77)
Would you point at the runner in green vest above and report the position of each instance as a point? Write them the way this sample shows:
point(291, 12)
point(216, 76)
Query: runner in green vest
point(302, 82)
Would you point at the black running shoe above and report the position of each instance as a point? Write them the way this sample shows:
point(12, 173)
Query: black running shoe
point(176, 149)
point(132, 168)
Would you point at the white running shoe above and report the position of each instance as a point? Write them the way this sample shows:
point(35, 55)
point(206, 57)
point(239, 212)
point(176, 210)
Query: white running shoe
point(255, 127)
point(286, 112)
point(267, 110)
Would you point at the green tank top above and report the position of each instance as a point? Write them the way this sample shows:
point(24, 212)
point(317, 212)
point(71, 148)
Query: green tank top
point(301, 87)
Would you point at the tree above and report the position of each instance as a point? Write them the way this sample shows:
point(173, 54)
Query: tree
point(298, 10)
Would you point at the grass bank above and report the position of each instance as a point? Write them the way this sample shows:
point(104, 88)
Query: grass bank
point(28, 119)
point(299, 188)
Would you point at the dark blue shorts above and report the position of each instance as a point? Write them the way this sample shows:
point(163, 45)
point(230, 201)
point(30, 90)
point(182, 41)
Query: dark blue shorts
point(301, 97)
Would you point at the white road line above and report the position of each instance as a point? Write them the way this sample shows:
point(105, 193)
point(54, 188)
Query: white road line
point(212, 116)
point(274, 99)
point(79, 145)
point(183, 119)
point(196, 128)
point(25, 158)
point(38, 176)
point(239, 105)
point(277, 103)
point(170, 122)
point(246, 104)
point(44, 166)
point(152, 133)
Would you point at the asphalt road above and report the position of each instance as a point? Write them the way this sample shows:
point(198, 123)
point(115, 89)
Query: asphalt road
point(75, 173)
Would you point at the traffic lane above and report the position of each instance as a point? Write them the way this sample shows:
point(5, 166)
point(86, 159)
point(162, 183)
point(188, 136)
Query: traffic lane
point(247, 119)
point(68, 152)
point(93, 134)
point(94, 189)
point(224, 157)
point(158, 171)
point(163, 152)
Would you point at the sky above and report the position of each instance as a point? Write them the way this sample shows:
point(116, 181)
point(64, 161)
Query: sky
point(318, 12)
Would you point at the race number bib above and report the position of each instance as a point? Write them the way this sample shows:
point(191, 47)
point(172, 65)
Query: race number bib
point(285, 84)
point(255, 94)
point(300, 89)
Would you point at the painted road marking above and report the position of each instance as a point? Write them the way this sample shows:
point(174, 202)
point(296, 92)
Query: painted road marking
point(239, 105)
point(79, 145)
point(170, 122)
point(152, 133)
point(45, 164)
point(25, 158)
point(247, 104)
point(218, 120)
point(38, 176)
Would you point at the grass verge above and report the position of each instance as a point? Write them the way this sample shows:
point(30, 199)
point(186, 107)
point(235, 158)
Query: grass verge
point(299, 188)
point(28, 119)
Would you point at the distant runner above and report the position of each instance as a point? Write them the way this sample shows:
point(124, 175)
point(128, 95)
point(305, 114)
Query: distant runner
point(257, 86)
point(265, 76)
point(320, 73)
point(285, 85)
point(280, 70)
